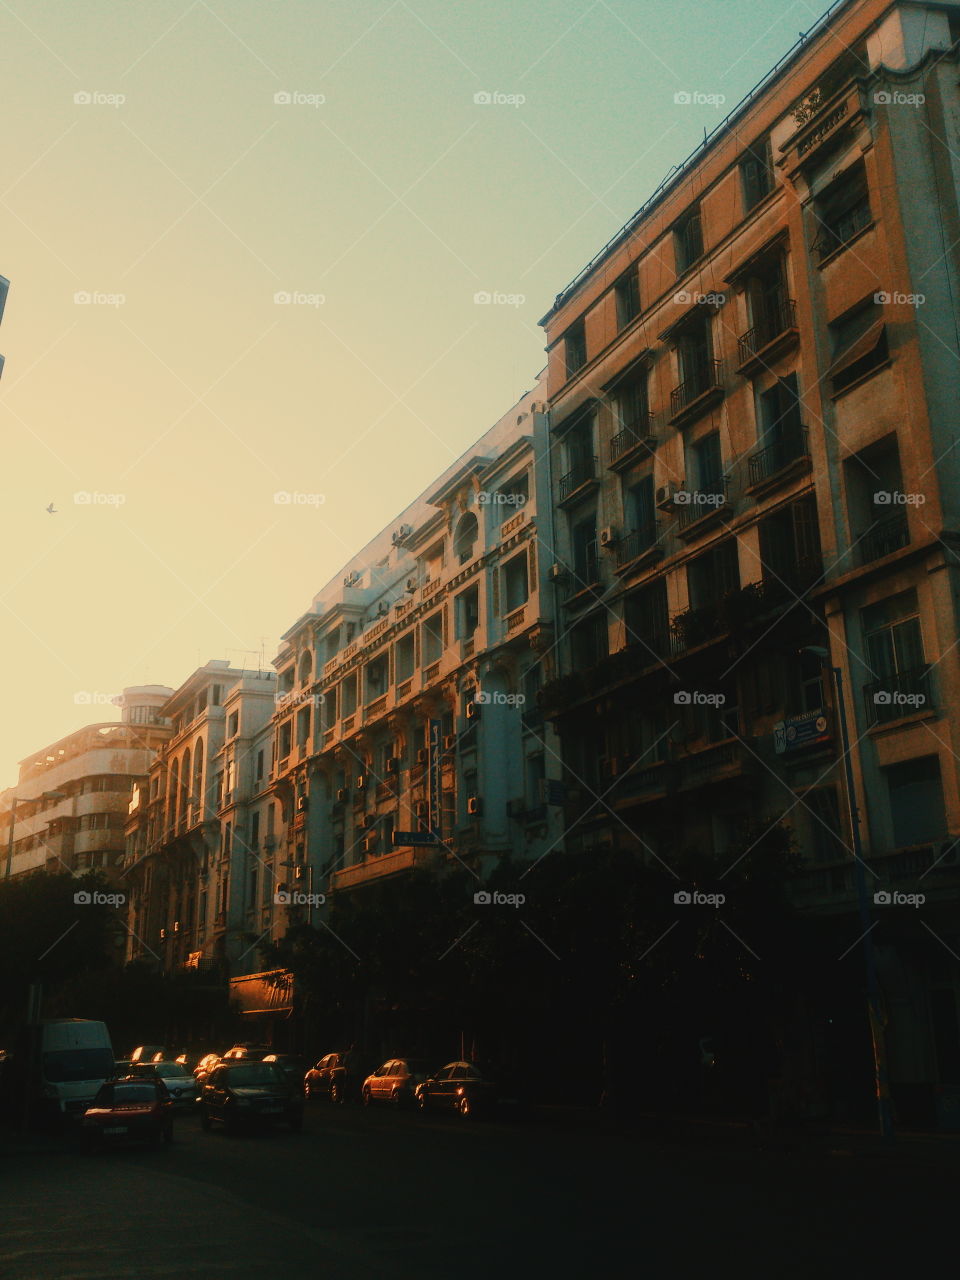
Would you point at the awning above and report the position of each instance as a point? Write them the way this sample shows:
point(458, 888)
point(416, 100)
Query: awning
point(859, 349)
point(270, 992)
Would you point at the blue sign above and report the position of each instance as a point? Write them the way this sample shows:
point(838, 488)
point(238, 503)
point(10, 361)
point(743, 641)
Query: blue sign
point(809, 730)
point(414, 838)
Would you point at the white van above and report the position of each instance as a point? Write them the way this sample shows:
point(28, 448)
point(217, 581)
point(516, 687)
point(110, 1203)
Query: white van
point(74, 1056)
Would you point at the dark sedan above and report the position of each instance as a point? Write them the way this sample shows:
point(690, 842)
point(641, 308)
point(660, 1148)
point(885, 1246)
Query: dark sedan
point(133, 1109)
point(239, 1093)
point(459, 1086)
point(292, 1065)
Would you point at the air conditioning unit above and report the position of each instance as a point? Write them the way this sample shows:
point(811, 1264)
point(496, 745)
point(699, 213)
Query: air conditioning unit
point(393, 764)
point(450, 742)
point(361, 783)
point(299, 871)
point(474, 806)
point(557, 573)
point(343, 795)
point(665, 496)
point(473, 711)
point(607, 537)
point(301, 803)
point(400, 535)
point(411, 585)
point(423, 755)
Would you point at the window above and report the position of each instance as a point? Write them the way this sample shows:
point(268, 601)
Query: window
point(842, 211)
point(465, 539)
point(404, 657)
point(514, 583)
point(586, 565)
point(303, 726)
point(640, 511)
point(627, 292)
point(695, 363)
point(233, 725)
point(807, 693)
point(860, 347)
point(688, 240)
point(215, 696)
point(874, 480)
point(575, 348)
point(431, 633)
point(467, 613)
point(631, 404)
point(259, 766)
point(707, 461)
point(647, 621)
point(285, 740)
point(589, 641)
point(790, 545)
point(512, 496)
point(714, 574)
point(376, 675)
point(894, 650)
point(255, 829)
point(578, 456)
point(915, 792)
point(756, 173)
point(536, 773)
point(770, 310)
point(348, 696)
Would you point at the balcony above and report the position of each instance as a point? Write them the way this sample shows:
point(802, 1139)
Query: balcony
point(766, 341)
point(904, 693)
point(701, 506)
point(884, 537)
point(719, 763)
point(639, 547)
point(581, 475)
point(514, 621)
point(701, 389)
point(634, 440)
point(377, 707)
point(387, 789)
point(781, 460)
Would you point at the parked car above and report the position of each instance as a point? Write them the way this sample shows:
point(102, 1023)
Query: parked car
point(245, 1092)
point(292, 1065)
point(338, 1076)
point(394, 1082)
point(131, 1109)
point(247, 1052)
point(459, 1086)
point(181, 1085)
point(206, 1064)
point(148, 1053)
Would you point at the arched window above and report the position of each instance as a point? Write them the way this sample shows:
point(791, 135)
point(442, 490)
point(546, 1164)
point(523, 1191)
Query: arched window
point(465, 539)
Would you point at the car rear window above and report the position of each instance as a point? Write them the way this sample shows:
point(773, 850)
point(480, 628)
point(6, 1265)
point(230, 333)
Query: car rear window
point(254, 1074)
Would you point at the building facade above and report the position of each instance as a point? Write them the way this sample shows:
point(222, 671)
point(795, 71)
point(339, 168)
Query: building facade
point(751, 393)
point(68, 809)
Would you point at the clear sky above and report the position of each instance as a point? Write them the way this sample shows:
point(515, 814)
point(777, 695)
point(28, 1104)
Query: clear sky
point(148, 166)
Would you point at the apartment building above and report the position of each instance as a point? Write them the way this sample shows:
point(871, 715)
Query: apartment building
point(407, 732)
point(751, 393)
point(198, 893)
point(68, 809)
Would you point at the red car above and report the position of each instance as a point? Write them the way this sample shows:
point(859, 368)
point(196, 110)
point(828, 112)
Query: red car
point(131, 1109)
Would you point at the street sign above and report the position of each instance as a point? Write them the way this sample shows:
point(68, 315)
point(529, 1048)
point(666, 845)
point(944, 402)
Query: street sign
point(808, 730)
point(414, 838)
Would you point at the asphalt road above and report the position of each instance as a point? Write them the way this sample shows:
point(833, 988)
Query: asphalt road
point(379, 1194)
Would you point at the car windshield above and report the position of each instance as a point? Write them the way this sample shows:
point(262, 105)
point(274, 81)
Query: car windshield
point(254, 1074)
point(63, 1066)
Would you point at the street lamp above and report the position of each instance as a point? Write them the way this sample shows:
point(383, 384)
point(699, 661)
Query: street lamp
point(45, 795)
point(874, 1008)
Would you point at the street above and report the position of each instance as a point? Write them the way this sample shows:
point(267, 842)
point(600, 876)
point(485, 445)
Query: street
point(364, 1194)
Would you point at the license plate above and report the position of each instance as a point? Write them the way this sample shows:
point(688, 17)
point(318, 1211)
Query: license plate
point(117, 1129)
point(271, 1110)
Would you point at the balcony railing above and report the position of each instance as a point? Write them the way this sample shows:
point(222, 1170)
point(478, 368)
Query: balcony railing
point(515, 619)
point(834, 235)
point(637, 542)
point(710, 498)
point(884, 537)
point(898, 695)
point(779, 317)
point(636, 433)
point(707, 376)
point(790, 444)
point(582, 472)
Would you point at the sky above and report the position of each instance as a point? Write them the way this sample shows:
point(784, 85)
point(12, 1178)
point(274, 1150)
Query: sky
point(244, 243)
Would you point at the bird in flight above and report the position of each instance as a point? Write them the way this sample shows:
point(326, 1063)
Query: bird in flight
point(51, 510)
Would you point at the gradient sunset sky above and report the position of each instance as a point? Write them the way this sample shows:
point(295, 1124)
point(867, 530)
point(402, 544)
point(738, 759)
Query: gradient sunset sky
point(149, 166)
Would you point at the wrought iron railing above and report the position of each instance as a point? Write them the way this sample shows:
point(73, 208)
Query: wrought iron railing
point(777, 318)
point(706, 376)
point(788, 444)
